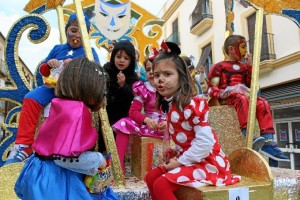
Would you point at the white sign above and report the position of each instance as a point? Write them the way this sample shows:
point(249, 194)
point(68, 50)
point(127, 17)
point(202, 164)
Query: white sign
point(239, 194)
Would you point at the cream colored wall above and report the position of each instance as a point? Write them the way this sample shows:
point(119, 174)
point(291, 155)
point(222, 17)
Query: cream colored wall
point(280, 75)
point(286, 37)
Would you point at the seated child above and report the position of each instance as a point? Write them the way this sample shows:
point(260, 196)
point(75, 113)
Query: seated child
point(229, 83)
point(38, 98)
point(147, 124)
point(197, 158)
point(65, 140)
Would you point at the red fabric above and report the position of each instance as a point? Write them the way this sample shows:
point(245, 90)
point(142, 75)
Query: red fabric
point(263, 112)
point(159, 187)
point(29, 117)
point(45, 70)
point(135, 112)
point(233, 73)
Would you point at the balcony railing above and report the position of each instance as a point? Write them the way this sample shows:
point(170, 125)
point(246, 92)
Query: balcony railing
point(202, 11)
point(174, 37)
point(267, 47)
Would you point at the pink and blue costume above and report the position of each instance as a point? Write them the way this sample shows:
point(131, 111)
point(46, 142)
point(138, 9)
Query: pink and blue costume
point(144, 98)
point(67, 135)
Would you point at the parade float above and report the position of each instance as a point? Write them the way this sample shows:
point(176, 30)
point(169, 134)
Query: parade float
point(144, 30)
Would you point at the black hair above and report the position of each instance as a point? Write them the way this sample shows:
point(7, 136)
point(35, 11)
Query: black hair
point(127, 46)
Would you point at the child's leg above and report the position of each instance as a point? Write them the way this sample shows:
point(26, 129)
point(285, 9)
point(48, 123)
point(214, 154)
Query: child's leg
point(164, 189)
point(33, 104)
point(151, 177)
point(159, 187)
point(29, 117)
point(122, 143)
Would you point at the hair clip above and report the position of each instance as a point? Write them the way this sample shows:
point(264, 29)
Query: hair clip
point(164, 47)
point(99, 72)
point(153, 54)
point(170, 47)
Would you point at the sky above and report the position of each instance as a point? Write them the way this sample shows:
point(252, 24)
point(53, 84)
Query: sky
point(12, 10)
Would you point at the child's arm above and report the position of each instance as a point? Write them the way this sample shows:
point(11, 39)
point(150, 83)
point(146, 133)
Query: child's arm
point(214, 81)
point(88, 163)
point(135, 111)
point(204, 138)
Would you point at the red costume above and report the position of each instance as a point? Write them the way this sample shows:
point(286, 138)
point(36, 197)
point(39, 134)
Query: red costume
point(234, 73)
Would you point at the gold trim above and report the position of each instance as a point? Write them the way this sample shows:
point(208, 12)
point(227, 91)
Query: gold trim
point(269, 65)
point(83, 30)
point(61, 24)
point(254, 77)
point(202, 26)
point(170, 11)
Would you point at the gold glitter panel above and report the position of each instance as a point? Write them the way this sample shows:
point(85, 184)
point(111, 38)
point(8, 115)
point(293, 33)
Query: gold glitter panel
point(110, 144)
point(255, 172)
point(275, 7)
point(248, 163)
point(223, 119)
point(139, 154)
point(35, 4)
point(9, 174)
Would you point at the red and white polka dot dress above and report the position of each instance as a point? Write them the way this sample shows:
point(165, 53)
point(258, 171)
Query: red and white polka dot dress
point(203, 160)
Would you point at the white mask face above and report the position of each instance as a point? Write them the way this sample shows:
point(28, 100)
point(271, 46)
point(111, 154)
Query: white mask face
point(113, 20)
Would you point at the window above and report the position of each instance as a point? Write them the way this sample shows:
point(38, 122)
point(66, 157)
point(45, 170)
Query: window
point(201, 11)
point(174, 37)
point(206, 58)
point(267, 39)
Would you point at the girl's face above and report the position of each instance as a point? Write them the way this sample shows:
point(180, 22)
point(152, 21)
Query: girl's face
point(73, 35)
point(122, 60)
point(110, 48)
point(149, 72)
point(166, 78)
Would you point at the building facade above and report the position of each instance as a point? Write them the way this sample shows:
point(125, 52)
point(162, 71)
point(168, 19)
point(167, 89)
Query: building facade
point(199, 27)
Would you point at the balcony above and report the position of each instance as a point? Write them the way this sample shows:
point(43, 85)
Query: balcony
point(267, 47)
point(174, 37)
point(201, 18)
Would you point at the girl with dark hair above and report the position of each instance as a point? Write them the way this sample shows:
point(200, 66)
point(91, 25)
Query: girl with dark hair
point(121, 78)
point(149, 123)
point(197, 158)
point(62, 147)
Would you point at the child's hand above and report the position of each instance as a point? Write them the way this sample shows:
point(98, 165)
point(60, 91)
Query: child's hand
point(121, 79)
point(172, 164)
point(52, 63)
point(226, 95)
point(103, 165)
point(161, 127)
point(152, 124)
point(67, 61)
point(249, 59)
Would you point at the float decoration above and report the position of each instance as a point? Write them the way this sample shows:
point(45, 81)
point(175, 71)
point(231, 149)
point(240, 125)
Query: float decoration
point(141, 27)
point(15, 94)
point(285, 8)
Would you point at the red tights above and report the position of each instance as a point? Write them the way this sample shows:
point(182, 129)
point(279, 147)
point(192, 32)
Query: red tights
point(159, 187)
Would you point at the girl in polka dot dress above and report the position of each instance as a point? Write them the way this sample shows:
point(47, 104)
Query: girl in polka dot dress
point(197, 158)
point(151, 123)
